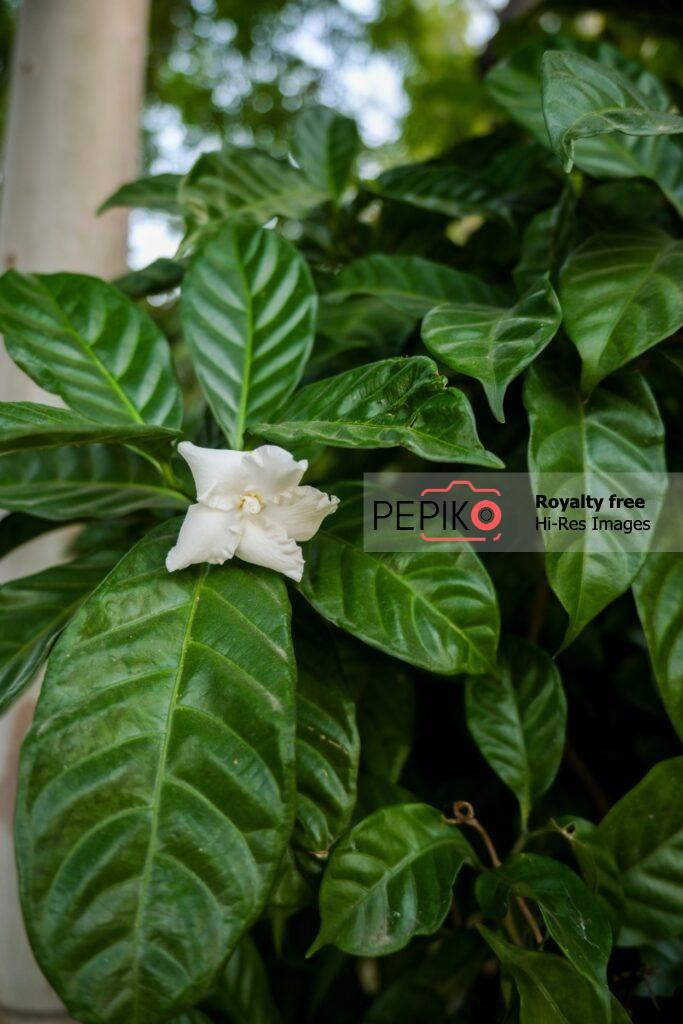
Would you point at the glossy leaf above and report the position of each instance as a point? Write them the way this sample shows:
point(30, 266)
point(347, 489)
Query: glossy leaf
point(248, 313)
point(621, 293)
point(19, 528)
point(550, 990)
point(619, 430)
point(31, 425)
point(34, 610)
point(442, 188)
point(644, 831)
point(494, 344)
point(518, 719)
point(379, 405)
point(94, 481)
point(657, 589)
point(242, 184)
point(327, 743)
point(410, 283)
point(582, 98)
point(157, 192)
point(437, 610)
point(83, 340)
point(148, 841)
point(163, 275)
point(597, 865)
point(572, 914)
point(389, 880)
point(325, 145)
point(242, 994)
point(547, 241)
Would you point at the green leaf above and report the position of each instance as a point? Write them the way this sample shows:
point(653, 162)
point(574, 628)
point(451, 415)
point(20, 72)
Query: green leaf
point(160, 276)
point(192, 1017)
point(156, 794)
point(597, 865)
point(644, 831)
point(243, 184)
point(389, 880)
point(515, 83)
point(548, 238)
point(494, 344)
point(327, 743)
point(83, 340)
point(34, 610)
point(437, 610)
point(325, 145)
point(19, 528)
point(30, 425)
point(518, 719)
point(242, 993)
point(442, 188)
point(363, 321)
point(411, 284)
point(380, 405)
point(550, 990)
point(248, 313)
point(657, 589)
point(572, 914)
point(156, 192)
point(621, 293)
point(95, 481)
point(618, 430)
point(582, 98)
point(385, 712)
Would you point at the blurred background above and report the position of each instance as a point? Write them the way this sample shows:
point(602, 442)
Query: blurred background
point(409, 71)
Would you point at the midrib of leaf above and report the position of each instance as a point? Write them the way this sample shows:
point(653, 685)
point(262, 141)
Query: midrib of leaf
point(89, 352)
point(158, 786)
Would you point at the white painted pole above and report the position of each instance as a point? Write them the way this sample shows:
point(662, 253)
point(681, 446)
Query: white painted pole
point(72, 138)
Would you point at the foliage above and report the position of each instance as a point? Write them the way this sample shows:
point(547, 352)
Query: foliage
point(236, 797)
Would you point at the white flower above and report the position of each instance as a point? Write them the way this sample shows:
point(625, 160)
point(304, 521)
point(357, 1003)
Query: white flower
point(249, 504)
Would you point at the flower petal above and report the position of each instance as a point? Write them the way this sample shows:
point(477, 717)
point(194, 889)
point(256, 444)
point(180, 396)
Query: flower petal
point(263, 543)
point(207, 535)
point(301, 511)
point(218, 474)
point(270, 470)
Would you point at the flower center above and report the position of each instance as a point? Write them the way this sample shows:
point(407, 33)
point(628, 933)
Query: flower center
point(251, 504)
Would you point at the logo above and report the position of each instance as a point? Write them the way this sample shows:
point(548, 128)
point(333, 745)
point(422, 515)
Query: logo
point(481, 515)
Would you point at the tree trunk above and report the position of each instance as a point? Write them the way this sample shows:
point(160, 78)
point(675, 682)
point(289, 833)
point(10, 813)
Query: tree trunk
point(72, 138)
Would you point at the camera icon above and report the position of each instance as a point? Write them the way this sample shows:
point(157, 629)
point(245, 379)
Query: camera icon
point(476, 516)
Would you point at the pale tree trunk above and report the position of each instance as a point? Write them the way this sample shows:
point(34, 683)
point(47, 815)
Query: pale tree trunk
point(73, 137)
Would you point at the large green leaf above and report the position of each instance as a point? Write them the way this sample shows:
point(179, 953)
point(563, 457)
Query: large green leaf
point(244, 184)
point(390, 879)
point(410, 283)
point(99, 481)
point(442, 188)
point(550, 990)
point(548, 238)
point(327, 743)
point(379, 405)
point(325, 145)
point(34, 610)
point(434, 609)
point(30, 425)
point(597, 865)
point(156, 794)
point(162, 275)
point(518, 718)
point(617, 431)
point(155, 192)
point(644, 830)
point(248, 313)
point(572, 914)
point(83, 340)
point(515, 83)
point(494, 344)
point(582, 98)
point(242, 994)
point(658, 588)
point(621, 293)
